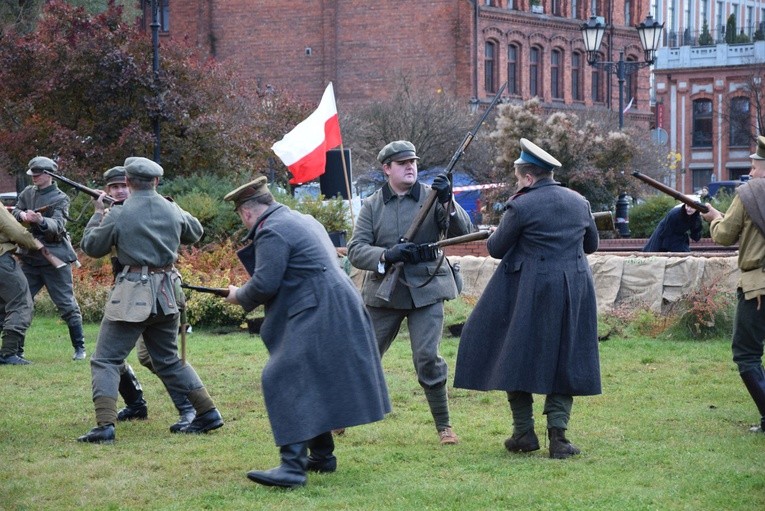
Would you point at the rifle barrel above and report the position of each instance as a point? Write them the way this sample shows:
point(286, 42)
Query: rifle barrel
point(671, 192)
point(108, 200)
point(217, 291)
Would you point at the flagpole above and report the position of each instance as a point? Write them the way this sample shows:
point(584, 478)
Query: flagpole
point(347, 184)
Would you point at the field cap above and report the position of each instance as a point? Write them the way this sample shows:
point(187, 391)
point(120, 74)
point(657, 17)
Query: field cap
point(249, 191)
point(115, 175)
point(399, 150)
point(760, 153)
point(39, 163)
point(532, 153)
point(144, 167)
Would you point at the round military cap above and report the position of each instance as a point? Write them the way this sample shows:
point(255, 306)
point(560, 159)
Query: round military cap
point(249, 191)
point(532, 153)
point(399, 150)
point(40, 163)
point(114, 175)
point(144, 167)
point(760, 153)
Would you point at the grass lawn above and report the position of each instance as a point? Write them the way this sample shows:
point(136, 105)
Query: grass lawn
point(669, 432)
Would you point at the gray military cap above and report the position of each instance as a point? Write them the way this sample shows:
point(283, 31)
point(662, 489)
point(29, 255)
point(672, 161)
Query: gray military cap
point(39, 163)
point(114, 175)
point(249, 191)
point(399, 150)
point(129, 160)
point(144, 167)
point(532, 153)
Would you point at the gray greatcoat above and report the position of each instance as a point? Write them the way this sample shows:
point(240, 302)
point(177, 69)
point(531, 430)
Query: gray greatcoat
point(324, 369)
point(534, 329)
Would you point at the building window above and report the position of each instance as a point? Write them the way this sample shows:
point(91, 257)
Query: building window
point(736, 173)
point(740, 133)
point(627, 13)
point(702, 123)
point(701, 178)
point(597, 85)
point(535, 62)
point(556, 74)
point(576, 77)
point(556, 7)
point(574, 9)
point(490, 67)
point(512, 70)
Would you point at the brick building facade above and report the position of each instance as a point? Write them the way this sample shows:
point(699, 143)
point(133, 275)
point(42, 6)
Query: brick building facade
point(463, 47)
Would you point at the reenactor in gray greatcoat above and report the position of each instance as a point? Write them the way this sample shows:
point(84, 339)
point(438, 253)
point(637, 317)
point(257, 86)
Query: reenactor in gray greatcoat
point(147, 231)
point(323, 371)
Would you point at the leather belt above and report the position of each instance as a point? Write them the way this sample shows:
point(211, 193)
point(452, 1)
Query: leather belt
point(151, 269)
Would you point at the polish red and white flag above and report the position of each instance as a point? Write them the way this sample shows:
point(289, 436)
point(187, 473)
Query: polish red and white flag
point(304, 149)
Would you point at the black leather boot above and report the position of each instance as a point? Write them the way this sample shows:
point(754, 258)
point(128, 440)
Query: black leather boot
point(560, 447)
point(208, 421)
point(754, 380)
point(78, 341)
point(9, 351)
point(99, 435)
point(131, 391)
point(290, 474)
point(322, 458)
point(527, 442)
point(186, 412)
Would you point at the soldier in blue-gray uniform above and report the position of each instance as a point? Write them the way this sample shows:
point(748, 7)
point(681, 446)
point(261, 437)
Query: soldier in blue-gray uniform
point(534, 329)
point(147, 231)
point(383, 220)
point(45, 209)
point(324, 370)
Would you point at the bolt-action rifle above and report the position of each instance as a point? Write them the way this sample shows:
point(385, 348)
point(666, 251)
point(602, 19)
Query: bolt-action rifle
point(108, 200)
point(671, 192)
point(390, 280)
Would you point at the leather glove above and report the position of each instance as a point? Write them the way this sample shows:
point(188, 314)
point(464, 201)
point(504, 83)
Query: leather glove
point(444, 188)
point(401, 252)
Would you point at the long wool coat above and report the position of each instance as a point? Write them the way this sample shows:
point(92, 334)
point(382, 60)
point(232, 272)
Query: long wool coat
point(534, 329)
point(324, 369)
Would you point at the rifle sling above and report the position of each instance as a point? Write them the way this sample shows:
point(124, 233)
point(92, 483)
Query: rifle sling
point(410, 286)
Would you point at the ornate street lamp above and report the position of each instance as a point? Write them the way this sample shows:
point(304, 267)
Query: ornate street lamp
point(649, 32)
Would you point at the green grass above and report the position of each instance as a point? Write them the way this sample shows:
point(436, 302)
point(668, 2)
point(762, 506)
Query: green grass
point(669, 432)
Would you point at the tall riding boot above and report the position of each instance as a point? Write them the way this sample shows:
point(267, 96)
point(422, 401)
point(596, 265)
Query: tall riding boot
point(290, 474)
point(186, 411)
point(78, 340)
point(9, 350)
point(560, 447)
point(754, 380)
point(322, 458)
point(131, 391)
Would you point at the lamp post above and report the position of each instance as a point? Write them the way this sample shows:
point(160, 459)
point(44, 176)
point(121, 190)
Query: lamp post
point(155, 69)
point(649, 32)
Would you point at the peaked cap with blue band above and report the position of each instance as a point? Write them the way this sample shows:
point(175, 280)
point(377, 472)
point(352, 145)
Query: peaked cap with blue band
point(532, 153)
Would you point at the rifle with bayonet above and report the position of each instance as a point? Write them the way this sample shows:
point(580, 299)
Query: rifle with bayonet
point(671, 192)
point(390, 280)
point(108, 200)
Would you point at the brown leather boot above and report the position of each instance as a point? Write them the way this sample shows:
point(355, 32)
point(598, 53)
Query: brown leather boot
point(560, 447)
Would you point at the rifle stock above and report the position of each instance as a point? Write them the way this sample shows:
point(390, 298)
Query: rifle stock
point(671, 192)
point(217, 291)
point(53, 260)
point(108, 200)
point(465, 238)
